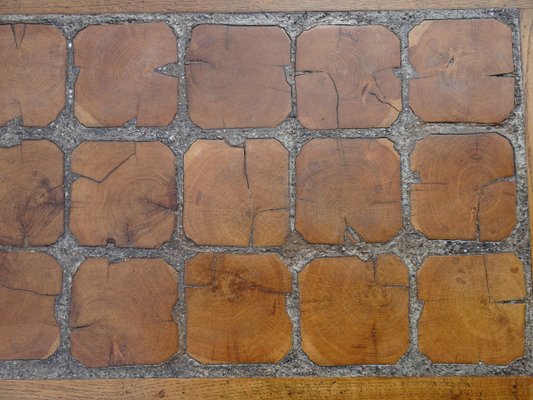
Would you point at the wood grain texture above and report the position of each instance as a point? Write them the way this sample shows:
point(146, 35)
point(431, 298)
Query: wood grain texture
point(29, 286)
point(348, 189)
point(118, 81)
point(32, 73)
point(441, 388)
point(526, 33)
point(237, 196)
point(212, 6)
point(236, 76)
point(474, 308)
point(31, 194)
point(125, 195)
point(354, 312)
point(467, 188)
point(267, 388)
point(121, 313)
point(236, 308)
point(345, 77)
point(460, 66)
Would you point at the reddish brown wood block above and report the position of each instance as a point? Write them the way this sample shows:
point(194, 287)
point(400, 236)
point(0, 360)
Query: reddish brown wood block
point(461, 66)
point(237, 196)
point(474, 309)
point(126, 194)
point(32, 73)
point(345, 77)
point(345, 184)
point(354, 312)
point(465, 190)
point(31, 194)
point(236, 308)
point(121, 313)
point(118, 80)
point(29, 285)
point(236, 77)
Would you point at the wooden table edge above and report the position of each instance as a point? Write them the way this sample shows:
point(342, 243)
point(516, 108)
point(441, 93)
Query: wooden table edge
point(233, 6)
point(364, 388)
point(526, 41)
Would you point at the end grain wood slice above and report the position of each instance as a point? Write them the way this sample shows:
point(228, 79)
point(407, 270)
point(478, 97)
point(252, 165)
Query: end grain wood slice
point(32, 73)
point(236, 308)
point(345, 77)
point(348, 188)
point(118, 81)
point(465, 70)
point(474, 309)
point(125, 195)
point(354, 312)
point(237, 196)
point(31, 194)
point(29, 285)
point(121, 314)
point(236, 76)
point(467, 188)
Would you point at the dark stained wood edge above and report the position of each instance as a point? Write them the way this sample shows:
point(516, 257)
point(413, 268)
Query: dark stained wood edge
point(214, 6)
point(434, 388)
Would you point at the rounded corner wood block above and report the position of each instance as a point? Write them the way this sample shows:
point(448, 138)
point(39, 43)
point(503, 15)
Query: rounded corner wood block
point(345, 77)
point(465, 71)
point(474, 309)
point(236, 76)
point(348, 187)
point(32, 73)
point(118, 79)
point(29, 286)
point(236, 196)
point(354, 311)
point(31, 194)
point(121, 314)
point(236, 308)
point(125, 195)
point(467, 189)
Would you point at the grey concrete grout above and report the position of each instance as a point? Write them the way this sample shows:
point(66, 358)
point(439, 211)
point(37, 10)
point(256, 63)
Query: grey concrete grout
point(411, 246)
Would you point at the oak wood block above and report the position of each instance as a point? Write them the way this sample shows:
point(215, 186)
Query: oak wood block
point(236, 77)
point(29, 285)
point(31, 194)
point(237, 196)
point(474, 309)
point(236, 308)
point(346, 187)
point(32, 73)
point(467, 188)
point(118, 81)
point(125, 195)
point(354, 311)
point(462, 68)
point(121, 313)
point(345, 77)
